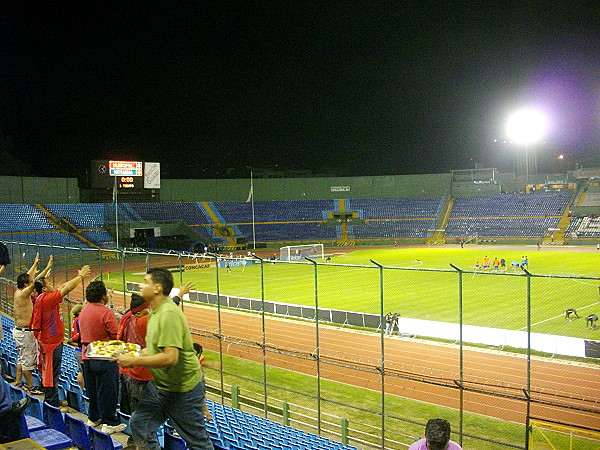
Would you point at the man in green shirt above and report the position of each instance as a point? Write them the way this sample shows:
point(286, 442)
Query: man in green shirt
point(176, 391)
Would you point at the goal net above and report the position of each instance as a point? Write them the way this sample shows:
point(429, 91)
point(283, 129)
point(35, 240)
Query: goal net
point(297, 252)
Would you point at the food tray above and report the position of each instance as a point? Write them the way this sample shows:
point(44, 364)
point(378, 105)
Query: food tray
point(106, 351)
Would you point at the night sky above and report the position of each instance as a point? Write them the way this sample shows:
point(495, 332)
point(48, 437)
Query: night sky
point(351, 88)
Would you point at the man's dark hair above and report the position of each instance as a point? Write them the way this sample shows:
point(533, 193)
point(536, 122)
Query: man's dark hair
point(163, 277)
point(437, 433)
point(22, 280)
point(198, 348)
point(95, 292)
point(136, 301)
point(40, 284)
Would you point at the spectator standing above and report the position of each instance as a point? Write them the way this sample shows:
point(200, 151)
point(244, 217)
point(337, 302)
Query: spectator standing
point(395, 326)
point(49, 329)
point(132, 328)
point(437, 437)
point(75, 340)
point(22, 335)
point(176, 391)
point(97, 322)
point(389, 322)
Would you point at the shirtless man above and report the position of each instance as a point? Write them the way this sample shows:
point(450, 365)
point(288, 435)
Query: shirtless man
point(22, 335)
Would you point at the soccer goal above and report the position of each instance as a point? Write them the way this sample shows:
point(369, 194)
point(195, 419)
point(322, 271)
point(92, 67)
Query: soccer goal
point(296, 252)
point(472, 239)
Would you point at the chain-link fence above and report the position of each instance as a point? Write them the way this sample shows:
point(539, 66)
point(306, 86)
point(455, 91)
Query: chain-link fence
point(366, 354)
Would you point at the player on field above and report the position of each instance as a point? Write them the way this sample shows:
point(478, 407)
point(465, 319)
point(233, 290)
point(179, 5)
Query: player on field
point(571, 312)
point(591, 321)
point(496, 264)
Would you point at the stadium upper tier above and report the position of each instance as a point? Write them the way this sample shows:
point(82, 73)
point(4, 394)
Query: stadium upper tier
point(504, 215)
point(17, 218)
point(398, 208)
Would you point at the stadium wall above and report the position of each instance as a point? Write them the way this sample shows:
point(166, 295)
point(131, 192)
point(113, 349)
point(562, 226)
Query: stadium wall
point(32, 190)
point(306, 188)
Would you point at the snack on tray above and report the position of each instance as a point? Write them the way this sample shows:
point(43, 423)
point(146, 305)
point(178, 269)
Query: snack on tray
point(109, 349)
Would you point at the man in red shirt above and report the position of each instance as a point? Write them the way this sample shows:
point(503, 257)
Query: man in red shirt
point(49, 329)
point(97, 322)
point(132, 328)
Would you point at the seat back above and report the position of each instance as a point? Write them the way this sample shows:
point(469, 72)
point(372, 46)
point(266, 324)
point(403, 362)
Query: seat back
point(16, 393)
point(78, 432)
point(23, 429)
point(35, 408)
point(102, 441)
point(173, 442)
point(54, 418)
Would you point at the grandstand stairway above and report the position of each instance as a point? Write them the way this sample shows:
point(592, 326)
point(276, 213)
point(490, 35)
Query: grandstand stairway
point(219, 229)
point(438, 234)
point(65, 225)
point(557, 237)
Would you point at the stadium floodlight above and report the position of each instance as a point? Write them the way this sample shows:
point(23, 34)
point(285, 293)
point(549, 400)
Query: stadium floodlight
point(526, 126)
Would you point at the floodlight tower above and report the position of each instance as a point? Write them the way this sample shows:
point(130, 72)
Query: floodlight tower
point(526, 126)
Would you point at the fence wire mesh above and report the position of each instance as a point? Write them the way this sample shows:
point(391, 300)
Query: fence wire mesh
point(366, 353)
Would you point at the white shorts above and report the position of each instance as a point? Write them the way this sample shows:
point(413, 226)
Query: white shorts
point(26, 348)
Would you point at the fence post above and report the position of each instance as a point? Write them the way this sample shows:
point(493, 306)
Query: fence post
point(344, 431)
point(235, 393)
point(123, 277)
point(264, 338)
point(317, 346)
point(382, 338)
point(460, 339)
point(528, 393)
point(220, 328)
point(285, 411)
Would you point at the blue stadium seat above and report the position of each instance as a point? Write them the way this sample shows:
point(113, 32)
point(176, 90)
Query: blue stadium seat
point(103, 441)
point(78, 433)
point(173, 442)
point(47, 438)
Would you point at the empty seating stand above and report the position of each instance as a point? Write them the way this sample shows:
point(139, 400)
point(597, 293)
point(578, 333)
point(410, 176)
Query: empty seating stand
point(506, 215)
point(234, 429)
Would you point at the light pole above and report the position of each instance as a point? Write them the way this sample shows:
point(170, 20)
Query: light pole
point(526, 126)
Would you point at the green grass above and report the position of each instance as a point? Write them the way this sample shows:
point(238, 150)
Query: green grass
point(492, 300)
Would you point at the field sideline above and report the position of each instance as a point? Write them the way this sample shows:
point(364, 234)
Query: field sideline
point(351, 282)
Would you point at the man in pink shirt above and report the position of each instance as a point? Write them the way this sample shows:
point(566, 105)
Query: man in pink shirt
point(437, 437)
point(97, 322)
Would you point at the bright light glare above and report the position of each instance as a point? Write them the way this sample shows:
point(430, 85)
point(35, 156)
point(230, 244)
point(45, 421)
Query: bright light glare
point(526, 126)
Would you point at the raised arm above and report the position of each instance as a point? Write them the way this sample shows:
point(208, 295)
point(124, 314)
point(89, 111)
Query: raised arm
point(72, 284)
point(183, 289)
point(33, 269)
point(44, 273)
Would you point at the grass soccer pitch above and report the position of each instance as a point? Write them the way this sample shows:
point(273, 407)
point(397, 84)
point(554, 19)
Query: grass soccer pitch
point(492, 299)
